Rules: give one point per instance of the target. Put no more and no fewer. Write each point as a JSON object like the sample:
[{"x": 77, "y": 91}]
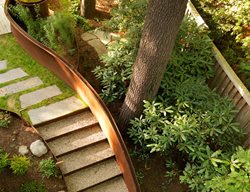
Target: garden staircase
[{"x": 71, "y": 132}]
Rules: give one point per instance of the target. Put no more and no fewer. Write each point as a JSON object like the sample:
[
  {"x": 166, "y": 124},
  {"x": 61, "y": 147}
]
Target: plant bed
[{"x": 13, "y": 136}]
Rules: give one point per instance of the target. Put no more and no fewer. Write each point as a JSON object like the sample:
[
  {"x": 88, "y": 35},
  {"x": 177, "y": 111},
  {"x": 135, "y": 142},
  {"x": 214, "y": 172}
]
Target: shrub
[
  {"x": 48, "y": 168},
  {"x": 19, "y": 164},
  {"x": 33, "y": 186},
  {"x": 192, "y": 129},
  {"x": 5, "y": 119},
  {"x": 4, "y": 159}
]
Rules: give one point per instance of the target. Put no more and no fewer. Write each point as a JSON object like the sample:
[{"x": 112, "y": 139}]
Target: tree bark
[
  {"x": 161, "y": 26},
  {"x": 88, "y": 8}
]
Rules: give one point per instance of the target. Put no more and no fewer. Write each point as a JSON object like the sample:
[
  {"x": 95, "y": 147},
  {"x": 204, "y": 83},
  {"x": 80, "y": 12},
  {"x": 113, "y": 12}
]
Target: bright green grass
[{"x": 17, "y": 57}]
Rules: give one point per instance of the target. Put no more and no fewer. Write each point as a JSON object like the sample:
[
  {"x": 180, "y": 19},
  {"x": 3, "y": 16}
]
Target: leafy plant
[
  {"x": 19, "y": 164},
  {"x": 5, "y": 119},
  {"x": 48, "y": 168},
  {"x": 33, "y": 186},
  {"x": 4, "y": 159}
]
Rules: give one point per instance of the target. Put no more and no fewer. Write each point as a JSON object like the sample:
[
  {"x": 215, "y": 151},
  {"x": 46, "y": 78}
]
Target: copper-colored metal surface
[{"x": 59, "y": 67}]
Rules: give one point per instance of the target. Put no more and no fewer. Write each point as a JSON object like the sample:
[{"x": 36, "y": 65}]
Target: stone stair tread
[
  {"x": 85, "y": 157},
  {"x": 76, "y": 140},
  {"x": 37, "y": 96},
  {"x": 116, "y": 184},
  {"x": 67, "y": 125},
  {"x": 92, "y": 175},
  {"x": 55, "y": 110},
  {"x": 12, "y": 75},
  {"x": 3, "y": 64},
  {"x": 20, "y": 86}
]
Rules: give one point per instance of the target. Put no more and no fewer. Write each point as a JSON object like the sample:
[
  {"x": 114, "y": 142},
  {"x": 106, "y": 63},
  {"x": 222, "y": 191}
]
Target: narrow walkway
[{"x": 67, "y": 126}]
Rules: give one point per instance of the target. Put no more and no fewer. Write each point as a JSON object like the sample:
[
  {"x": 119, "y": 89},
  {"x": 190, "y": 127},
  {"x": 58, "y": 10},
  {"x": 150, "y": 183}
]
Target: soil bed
[{"x": 15, "y": 135}]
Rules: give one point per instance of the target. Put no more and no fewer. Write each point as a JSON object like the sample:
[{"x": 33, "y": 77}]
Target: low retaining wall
[{"x": 227, "y": 83}]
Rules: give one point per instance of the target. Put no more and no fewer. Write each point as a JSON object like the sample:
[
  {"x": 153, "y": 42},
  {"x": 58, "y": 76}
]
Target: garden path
[{"x": 69, "y": 128}]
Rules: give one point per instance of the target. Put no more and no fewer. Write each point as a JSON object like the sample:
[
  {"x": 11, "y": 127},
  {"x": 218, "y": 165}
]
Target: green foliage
[
  {"x": 118, "y": 62},
  {"x": 59, "y": 31},
  {"x": 237, "y": 177},
  {"x": 195, "y": 124},
  {"x": 5, "y": 119},
  {"x": 4, "y": 159},
  {"x": 48, "y": 168},
  {"x": 230, "y": 27},
  {"x": 192, "y": 56},
  {"x": 33, "y": 186},
  {"x": 19, "y": 164}
]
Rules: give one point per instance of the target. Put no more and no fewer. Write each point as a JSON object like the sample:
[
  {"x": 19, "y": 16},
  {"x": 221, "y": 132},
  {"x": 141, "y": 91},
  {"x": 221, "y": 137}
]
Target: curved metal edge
[{"x": 60, "y": 68}]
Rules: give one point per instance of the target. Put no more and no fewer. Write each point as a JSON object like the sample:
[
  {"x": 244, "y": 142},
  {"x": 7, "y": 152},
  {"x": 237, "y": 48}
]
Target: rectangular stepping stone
[
  {"x": 4, "y": 23},
  {"x": 12, "y": 75},
  {"x": 20, "y": 86},
  {"x": 39, "y": 95},
  {"x": 55, "y": 110},
  {"x": 85, "y": 157},
  {"x": 3, "y": 64},
  {"x": 92, "y": 175},
  {"x": 76, "y": 140},
  {"x": 116, "y": 184},
  {"x": 67, "y": 125}
]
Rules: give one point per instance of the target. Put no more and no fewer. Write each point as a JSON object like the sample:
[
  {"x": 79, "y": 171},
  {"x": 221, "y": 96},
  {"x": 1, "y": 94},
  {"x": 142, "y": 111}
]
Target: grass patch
[{"x": 17, "y": 57}]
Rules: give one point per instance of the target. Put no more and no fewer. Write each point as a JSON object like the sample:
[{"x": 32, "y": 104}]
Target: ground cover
[{"x": 12, "y": 137}]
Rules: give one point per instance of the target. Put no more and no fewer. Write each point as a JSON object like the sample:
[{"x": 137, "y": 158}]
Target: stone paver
[
  {"x": 12, "y": 75},
  {"x": 67, "y": 125},
  {"x": 92, "y": 176},
  {"x": 104, "y": 37},
  {"x": 4, "y": 23},
  {"x": 88, "y": 36},
  {"x": 76, "y": 140},
  {"x": 39, "y": 95},
  {"x": 114, "y": 185},
  {"x": 85, "y": 157},
  {"x": 3, "y": 64},
  {"x": 20, "y": 86},
  {"x": 98, "y": 46},
  {"x": 55, "y": 110}
]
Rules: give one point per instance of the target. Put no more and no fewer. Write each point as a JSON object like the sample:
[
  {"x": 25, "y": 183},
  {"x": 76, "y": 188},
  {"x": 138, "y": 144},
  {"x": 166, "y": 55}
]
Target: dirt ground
[{"x": 11, "y": 138}]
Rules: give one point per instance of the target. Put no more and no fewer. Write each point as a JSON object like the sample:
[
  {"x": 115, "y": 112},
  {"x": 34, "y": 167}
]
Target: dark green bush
[{"x": 33, "y": 186}]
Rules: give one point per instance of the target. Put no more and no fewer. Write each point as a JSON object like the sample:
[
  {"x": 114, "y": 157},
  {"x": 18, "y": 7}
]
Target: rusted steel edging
[{"x": 59, "y": 67}]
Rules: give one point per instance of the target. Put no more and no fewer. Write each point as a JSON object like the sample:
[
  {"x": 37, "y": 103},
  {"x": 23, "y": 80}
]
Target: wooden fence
[{"x": 227, "y": 84}]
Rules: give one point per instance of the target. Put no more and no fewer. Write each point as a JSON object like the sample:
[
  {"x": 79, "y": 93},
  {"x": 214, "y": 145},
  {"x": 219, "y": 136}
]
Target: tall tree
[
  {"x": 88, "y": 8},
  {"x": 161, "y": 26}
]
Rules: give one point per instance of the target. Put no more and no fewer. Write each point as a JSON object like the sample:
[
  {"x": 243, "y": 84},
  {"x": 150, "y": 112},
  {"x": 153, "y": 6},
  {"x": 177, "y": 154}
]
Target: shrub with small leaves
[
  {"x": 33, "y": 186},
  {"x": 19, "y": 164},
  {"x": 5, "y": 119},
  {"x": 48, "y": 168},
  {"x": 4, "y": 159}
]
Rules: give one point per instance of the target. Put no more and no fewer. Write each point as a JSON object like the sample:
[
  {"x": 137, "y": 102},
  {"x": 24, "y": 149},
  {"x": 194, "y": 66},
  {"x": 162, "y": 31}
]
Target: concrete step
[
  {"x": 12, "y": 75},
  {"x": 116, "y": 184},
  {"x": 55, "y": 110},
  {"x": 92, "y": 175},
  {"x": 20, "y": 86},
  {"x": 67, "y": 125},
  {"x": 38, "y": 96},
  {"x": 85, "y": 157},
  {"x": 76, "y": 140}
]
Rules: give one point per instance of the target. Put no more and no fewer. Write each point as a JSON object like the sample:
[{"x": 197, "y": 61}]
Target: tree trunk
[
  {"x": 88, "y": 8},
  {"x": 160, "y": 29}
]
